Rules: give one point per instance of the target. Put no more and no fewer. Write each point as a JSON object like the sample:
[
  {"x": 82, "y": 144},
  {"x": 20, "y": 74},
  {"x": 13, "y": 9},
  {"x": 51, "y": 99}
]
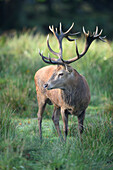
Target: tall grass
[{"x": 20, "y": 147}]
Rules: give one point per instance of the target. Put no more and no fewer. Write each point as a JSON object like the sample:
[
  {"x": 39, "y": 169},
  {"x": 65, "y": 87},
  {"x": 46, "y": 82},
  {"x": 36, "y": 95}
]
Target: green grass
[{"x": 20, "y": 147}]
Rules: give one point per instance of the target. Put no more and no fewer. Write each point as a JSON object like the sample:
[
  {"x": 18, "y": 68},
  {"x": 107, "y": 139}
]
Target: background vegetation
[
  {"x": 20, "y": 147},
  {"x": 24, "y": 14}
]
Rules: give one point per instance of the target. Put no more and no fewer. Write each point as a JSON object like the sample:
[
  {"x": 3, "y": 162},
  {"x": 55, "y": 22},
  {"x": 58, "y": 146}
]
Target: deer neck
[{"x": 69, "y": 93}]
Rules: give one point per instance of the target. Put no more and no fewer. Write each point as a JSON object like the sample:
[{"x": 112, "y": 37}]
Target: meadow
[{"x": 20, "y": 146}]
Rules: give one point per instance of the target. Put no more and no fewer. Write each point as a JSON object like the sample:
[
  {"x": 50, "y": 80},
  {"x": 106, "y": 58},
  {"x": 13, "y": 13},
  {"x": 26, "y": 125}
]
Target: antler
[
  {"x": 59, "y": 37},
  {"x": 89, "y": 39}
]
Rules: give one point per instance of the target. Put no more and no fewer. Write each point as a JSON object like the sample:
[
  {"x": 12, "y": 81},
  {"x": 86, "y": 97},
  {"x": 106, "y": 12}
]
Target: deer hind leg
[
  {"x": 39, "y": 114},
  {"x": 55, "y": 118},
  {"x": 81, "y": 121}
]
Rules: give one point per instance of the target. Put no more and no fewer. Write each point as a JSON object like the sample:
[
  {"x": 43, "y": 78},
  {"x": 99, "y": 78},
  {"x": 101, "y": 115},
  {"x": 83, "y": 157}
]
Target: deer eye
[{"x": 60, "y": 75}]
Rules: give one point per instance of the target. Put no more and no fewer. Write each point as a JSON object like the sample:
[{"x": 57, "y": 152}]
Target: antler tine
[
  {"x": 84, "y": 30},
  {"x": 71, "y": 39},
  {"x": 60, "y": 28},
  {"x": 55, "y": 53},
  {"x": 43, "y": 57},
  {"x": 50, "y": 28},
  {"x": 49, "y": 60},
  {"x": 102, "y": 38},
  {"x": 96, "y": 32},
  {"x": 100, "y": 32},
  {"x": 71, "y": 34},
  {"x": 53, "y": 30},
  {"x": 56, "y": 30},
  {"x": 86, "y": 34},
  {"x": 69, "y": 29},
  {"x": 98, "y": 35},
  {"x": 55, "y": 33},
  {"x": 77, "y": 49}
]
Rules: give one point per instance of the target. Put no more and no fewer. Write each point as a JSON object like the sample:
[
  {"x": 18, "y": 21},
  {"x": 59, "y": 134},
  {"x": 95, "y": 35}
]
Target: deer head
[
  {"x": 64, "y": 72},
  {"x": 61, "y": 77}
]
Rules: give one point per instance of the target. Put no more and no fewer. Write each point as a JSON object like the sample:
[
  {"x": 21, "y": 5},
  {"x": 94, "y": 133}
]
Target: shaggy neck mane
[{"x": 69, "y": 94}]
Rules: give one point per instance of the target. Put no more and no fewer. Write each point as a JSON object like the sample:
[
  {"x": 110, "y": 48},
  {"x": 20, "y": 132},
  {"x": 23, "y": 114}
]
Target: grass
[{"x": 20, "y": 147}]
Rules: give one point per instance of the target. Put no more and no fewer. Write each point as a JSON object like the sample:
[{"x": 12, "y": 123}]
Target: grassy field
[{"x": 20, "y": 147}]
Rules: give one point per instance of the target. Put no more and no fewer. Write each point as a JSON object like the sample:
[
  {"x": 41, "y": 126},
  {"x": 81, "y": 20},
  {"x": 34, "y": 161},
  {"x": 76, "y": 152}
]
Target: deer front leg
[
  {"x": 64, "y": 115},
  {"x": 81, "y": 121},
  {"x": 55, "y": 118},
  {"x": 39, "y": 114}
]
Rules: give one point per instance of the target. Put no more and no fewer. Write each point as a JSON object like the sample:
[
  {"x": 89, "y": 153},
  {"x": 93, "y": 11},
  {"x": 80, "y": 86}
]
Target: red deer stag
[{"x": 61, "y": 85}]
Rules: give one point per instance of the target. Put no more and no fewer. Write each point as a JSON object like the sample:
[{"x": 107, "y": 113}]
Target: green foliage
[
  {"x": 6, "y": 124},
  {"x": 27, "y": 151},
  {"x": 20, "y": 147}
]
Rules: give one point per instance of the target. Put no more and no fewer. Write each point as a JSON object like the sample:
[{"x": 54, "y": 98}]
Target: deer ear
[{"x": 68, "y": 68}]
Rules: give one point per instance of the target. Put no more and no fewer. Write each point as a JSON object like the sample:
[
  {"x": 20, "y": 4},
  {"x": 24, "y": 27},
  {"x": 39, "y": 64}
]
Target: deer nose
[{"x": 45, "y": 86}]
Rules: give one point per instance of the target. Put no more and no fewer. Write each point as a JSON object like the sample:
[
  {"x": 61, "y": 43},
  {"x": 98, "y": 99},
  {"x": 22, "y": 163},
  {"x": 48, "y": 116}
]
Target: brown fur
[{"x": 73, "y": 99}]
